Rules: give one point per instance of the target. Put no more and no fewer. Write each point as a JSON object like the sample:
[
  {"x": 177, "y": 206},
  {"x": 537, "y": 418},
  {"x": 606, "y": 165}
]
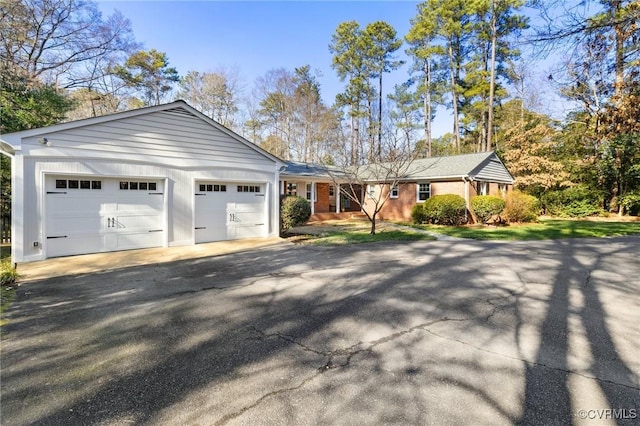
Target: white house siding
[
  {"x": 176, "y": 147},
  {"x": 162, "y": 138}
]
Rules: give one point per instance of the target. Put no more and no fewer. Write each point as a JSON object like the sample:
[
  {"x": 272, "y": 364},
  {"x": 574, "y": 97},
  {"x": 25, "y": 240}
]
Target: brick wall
[{"x": 322, "y": 197}]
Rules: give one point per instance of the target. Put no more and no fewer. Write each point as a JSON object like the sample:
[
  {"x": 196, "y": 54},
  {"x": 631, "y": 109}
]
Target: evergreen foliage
[
  {"x": 486, "y": 206},
  {"x": 575, "y": 201},
  {"x": 294, "y": 211},
  {"x": 446, "y": 209}
]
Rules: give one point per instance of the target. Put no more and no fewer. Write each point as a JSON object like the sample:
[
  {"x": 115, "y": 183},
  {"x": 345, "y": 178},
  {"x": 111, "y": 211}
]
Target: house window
[
  {"x": 483, "y": 188},
  {"x": 78, "y": 184},
  {"x": 309, "y": 189},
  {"x": 371, "y": 191},
  {"x": 332, "y": 191},
  {"x": 133, "y": 185},
  {"x": 394, "y": 191},
  {"x": 292, "y": 188},
  {"x": 424, "y": 191},
  {"x": 248, "y": 188}
]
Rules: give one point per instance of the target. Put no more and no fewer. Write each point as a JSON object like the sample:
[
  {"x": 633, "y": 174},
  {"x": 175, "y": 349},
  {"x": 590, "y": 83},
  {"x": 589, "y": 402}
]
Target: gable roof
[
  {"x": 484, "y": 166},
  {"x": 476, "y": 166},
  {"x": 178, "y": 107}
]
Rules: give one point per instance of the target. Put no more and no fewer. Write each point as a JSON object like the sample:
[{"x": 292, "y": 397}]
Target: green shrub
[
  {"x": 447, "y": 209},
  {"x": 521, "y": 207},
  {"x": 294, "y": 211},
  {"x": 486, "y": 206},
  {"x": 8, "y": 274},
  {"x": 631, "y": 203},
  {"x": 577, "y": 201},
  {"x": 417, "y": 214}
]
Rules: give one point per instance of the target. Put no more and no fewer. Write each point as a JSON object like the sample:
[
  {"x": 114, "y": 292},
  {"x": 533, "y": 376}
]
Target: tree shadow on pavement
[{"x": 395, "y": 332}]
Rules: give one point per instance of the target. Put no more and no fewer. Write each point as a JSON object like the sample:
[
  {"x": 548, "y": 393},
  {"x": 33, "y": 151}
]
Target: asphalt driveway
[{"x": 433, "y": 332}]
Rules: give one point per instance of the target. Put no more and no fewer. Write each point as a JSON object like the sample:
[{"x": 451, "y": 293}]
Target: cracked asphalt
[{"x": 431, "y": 332}]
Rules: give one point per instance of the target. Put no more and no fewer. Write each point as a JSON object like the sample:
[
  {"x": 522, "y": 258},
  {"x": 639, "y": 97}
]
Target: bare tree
[
  {"x": 216, "y": 94},
  {"x": 370, "y": 186},
  {"x": 52, "y": 41}
]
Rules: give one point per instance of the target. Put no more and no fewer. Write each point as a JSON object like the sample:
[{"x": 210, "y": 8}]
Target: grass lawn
[
  {"x": 363, "y": 236},
  {"x": 339, "y": 232},
  {"x": 7, "y": 293},
  {"x": 546, "y": 229}
]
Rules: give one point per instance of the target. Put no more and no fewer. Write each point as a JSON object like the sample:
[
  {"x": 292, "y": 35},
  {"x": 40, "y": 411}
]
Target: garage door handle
[
  {"x": 201, "y": 227},
  {"x": 155, "y": 230},
  {"x": 57, "y": 236}
]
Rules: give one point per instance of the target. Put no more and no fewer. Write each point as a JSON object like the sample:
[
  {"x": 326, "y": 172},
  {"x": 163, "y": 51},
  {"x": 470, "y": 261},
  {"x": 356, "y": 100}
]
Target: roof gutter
[{"x": 7, "y": 149}]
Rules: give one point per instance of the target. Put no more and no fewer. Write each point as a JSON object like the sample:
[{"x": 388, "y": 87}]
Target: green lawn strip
[
  {"x": 363, "y": 236},
  {"x": 8, "y": 276},
  {"x": 547, "y": 229}
]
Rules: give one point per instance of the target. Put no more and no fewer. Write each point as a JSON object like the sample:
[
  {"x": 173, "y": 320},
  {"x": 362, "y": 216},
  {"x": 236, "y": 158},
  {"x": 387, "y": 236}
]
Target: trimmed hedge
[
  {"x": 294, "y": 211},
  {"x": 446, "y": 209},
  {"x": 487, "y": 206},
  {"x": 521, "y": 207},
  {"x": 417, "y": 214},
  {"x": 577, "y": 201}
]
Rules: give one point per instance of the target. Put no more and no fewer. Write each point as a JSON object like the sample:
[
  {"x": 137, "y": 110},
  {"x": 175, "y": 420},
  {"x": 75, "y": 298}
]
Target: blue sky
[{"x": 256, "y": 36}]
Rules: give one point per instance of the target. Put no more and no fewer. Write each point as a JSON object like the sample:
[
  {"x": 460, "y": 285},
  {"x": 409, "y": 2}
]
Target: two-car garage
[
  {"x": 87, "y": 214},
  {"x": 156, "y": 177}
]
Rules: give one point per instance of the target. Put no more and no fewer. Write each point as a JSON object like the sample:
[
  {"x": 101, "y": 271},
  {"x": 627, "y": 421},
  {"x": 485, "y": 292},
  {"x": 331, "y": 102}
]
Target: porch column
[
  {"x": 313, "y": 197},
  {"x": 338, "y": 197}
]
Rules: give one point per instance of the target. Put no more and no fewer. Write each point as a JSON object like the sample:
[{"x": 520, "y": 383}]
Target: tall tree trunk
[
  {"x": 379, "y": 149},
  {"x": 492, "y": 82},
  {"x": 427, "y": 105},
  {"x": 620, "y": 36},
  {"x": 454, "y": 98}
]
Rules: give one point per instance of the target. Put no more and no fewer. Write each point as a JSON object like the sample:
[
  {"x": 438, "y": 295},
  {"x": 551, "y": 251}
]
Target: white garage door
[
  {"x": 228, "y": 211},
  {"x": 90, "y": 215}
]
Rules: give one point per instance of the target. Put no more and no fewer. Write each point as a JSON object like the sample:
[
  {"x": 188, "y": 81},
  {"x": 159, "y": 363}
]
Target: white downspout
[{"x": 466, "y": 197}]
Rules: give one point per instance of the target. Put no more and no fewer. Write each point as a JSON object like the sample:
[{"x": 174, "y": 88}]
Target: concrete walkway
[{"x": 100, "y": 262}]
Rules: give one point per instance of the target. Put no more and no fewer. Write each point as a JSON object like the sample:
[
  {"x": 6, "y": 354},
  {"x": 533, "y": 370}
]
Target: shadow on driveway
[{"x": 422, "y": 332}]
